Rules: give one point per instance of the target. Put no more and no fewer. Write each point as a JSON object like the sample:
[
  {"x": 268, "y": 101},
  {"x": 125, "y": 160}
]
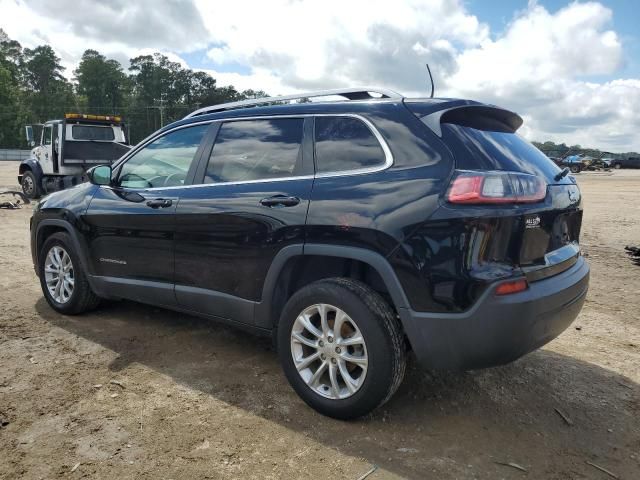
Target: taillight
[
  {"x": 514, "y": 286},
  {"x": 476, "y": 187}
]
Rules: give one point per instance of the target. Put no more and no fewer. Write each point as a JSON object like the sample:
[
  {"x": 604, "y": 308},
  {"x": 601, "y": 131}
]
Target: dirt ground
[{"x": 198, "y": 400}]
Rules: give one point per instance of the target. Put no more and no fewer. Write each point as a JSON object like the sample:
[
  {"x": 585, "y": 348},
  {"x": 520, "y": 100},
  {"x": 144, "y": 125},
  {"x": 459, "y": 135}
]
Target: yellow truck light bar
[{"x": 103, "y": 118}]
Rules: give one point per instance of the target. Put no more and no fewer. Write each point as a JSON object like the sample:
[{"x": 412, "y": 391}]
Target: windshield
[
  {"x": 92, "y": 132},
  {"x": 487, "y": 150}
]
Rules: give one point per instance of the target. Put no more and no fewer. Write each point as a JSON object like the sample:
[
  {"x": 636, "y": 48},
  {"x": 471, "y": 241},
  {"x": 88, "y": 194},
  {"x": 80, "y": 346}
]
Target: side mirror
[
  {"x": 100, "y": 175},
  {"x": 28, "y": 130}
]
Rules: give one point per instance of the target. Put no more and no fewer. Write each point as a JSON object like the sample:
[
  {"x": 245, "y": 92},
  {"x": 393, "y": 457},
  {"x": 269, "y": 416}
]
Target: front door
[
  {"x": 132, "y": 222},
  {"x": 252, "y": 203},
  {"x": 44, "y": 151}
]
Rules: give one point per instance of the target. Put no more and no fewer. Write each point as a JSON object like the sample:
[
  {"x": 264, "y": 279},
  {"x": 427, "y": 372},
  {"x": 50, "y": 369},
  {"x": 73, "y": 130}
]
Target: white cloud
[
  {"x": 119, "y": 29},
  {"x": 537, "y": 66}
]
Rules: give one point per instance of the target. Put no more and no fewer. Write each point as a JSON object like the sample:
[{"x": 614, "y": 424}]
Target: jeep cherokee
[{"x": 351, "y": 231}]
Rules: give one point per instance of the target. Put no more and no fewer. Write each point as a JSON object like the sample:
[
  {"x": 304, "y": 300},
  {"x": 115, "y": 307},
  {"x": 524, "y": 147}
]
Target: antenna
[{"x": 431, "y": 78}]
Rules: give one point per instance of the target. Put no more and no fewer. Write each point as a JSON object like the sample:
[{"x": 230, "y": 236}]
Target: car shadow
[{"x": 547, "y": 412}]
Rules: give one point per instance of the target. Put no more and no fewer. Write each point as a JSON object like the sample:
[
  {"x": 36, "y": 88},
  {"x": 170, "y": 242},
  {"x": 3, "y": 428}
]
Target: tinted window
[
  {"x": 345, "y": 143},
  {"x": 256, "y": 150},
  {"x": 90, "y": 132},
  {"x": 163, "y": 162},
  {"x": 487, "y": 150}
]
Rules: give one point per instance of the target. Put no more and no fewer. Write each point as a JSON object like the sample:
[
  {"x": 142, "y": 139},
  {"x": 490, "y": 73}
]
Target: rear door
[
  {"x": 252, "y": 202},
  {"x": 132, "y": 223}
]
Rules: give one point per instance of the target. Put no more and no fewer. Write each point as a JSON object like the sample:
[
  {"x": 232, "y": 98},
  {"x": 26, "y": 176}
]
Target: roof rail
[{"x": 360, "y": 93}]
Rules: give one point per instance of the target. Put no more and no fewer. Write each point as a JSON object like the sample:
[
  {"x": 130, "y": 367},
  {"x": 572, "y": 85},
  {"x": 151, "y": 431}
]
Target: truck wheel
[
  {"x": 341, "y": 347},
  {"x": 574, "y": 169},
  {"x": 30, "y": 185},
  {"x": 617, "y": 166},
  {"x": 62, "y": 278}
]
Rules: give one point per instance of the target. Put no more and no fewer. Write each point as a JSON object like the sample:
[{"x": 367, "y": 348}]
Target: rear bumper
[{"x": 499, "y": 329}]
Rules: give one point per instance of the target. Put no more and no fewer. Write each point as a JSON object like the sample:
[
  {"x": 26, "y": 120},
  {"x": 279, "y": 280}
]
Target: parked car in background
[
  {"x": 631, "y": 162},
  {"x": 607, "y": 162},
  {"x": 349, "y": 231},
  {"x": 575, "y": 163}
]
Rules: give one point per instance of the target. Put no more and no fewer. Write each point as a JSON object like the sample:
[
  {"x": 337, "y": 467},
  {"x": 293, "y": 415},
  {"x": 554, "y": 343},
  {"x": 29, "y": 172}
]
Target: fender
[
  {"x": 79, "y": 244},
  {"x": 375, "y": 260},
  {"x": 33, "y": 165}
]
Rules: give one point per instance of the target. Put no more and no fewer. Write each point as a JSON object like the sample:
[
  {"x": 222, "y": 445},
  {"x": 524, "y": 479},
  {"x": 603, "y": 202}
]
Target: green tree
[
  {"x": 101, "y": 81},
  {"x": 48, "y": 93}
]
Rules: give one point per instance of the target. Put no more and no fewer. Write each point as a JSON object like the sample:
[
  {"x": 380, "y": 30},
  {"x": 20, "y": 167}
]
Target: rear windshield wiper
[{"x": 565, "y": 171}]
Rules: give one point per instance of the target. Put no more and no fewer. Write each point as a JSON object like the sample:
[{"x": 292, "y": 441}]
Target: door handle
[
  {"x": 160, "y": 203},
  {"x": 280, "y": 201}
]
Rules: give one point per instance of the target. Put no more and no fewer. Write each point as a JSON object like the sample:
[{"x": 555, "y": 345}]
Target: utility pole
[{"x": 160, "y": 107}]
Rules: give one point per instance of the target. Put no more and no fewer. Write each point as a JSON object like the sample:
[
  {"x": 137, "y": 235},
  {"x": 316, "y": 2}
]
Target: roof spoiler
[{"x": 481, "y": 117}]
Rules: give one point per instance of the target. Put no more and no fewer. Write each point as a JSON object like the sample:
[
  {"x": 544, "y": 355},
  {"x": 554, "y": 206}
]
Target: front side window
[
  {"x": 345, "y": 143},
  {"x": 48, "y": 130},
  {"x": 247, "y": 150},
  {"x": 92, "y": 132},
  {"x": 164, "y": 162}
]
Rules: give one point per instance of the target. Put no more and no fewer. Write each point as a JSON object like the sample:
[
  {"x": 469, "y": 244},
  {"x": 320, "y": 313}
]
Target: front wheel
[
  {"x": 341, "y": 347},
  {"x": 574, "y": 169},
  {"x": 63, "y": 281},
  {"x": 617, "y": 166},
  {"x": 30, "y": 186}
]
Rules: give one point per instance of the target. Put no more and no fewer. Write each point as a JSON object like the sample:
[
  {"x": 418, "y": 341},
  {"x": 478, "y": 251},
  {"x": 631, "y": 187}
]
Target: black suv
[{"x": 351, "y": 231}]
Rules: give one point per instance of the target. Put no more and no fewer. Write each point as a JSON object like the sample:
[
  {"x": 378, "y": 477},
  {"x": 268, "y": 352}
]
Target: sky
[{"x": 571, "y": 69}]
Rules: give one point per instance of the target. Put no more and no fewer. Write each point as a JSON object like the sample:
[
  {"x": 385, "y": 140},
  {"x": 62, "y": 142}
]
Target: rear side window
[
  {"x": 247, "y": 150},
  {"x": 345, "y": 143},
  {"x": 90, "y": 132},
  {"x": 476, "y": 149}
]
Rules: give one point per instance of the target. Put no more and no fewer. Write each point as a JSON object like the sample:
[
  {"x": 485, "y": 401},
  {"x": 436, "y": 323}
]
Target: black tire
[
  {"x": 617, "y": 166},
  {"x": 30, "y": 185},
  {"x": 82, "y": 298},
  {"x": 574, "y": 169},
  {"x": 382, "y": 333}
]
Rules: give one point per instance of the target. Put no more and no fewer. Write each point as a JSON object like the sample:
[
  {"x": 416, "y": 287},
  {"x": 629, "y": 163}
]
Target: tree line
[
  {"x": 562, "y": 150},
  {"x": 153, "y": 91}
]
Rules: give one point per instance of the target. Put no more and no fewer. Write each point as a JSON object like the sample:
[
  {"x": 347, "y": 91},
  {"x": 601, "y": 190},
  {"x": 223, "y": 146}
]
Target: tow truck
[{"x": 67, "y": 149}]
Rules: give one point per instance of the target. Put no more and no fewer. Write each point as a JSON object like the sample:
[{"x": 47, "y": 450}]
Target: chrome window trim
[
  {"x": 341, "y": 173},
  {"x": 388, "y": 156}
]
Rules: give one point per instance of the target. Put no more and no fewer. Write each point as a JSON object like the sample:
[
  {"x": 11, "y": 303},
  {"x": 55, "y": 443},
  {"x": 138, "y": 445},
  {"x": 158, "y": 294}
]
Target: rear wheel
[
  {"x": 62, "y": 279},
  {"x": 341, "y": 347},
  {"x": 29, "y": 185}
]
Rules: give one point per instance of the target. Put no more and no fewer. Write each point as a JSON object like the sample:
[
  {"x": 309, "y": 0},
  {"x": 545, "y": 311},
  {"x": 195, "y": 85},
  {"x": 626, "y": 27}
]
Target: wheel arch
[
  {"x": 283, "y": 278},
  {"x": 48, "y": 227},
  {"x": 32, "y": 165}
]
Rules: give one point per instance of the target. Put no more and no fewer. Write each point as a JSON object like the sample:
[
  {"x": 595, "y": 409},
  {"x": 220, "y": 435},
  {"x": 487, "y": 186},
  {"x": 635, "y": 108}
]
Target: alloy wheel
[
  {"x": 59, "y": 274},
  {"x": 329, "y": 351}
]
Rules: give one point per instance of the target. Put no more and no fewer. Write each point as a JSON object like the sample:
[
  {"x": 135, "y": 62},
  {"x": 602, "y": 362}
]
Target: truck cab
[{"x": 66, "y": 148}]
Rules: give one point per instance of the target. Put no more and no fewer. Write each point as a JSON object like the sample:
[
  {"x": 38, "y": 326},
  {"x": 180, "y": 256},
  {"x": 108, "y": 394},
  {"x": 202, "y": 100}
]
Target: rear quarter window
[
  {"x": 476, "y": 149},
  {"x": 345, "y": 143}
]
